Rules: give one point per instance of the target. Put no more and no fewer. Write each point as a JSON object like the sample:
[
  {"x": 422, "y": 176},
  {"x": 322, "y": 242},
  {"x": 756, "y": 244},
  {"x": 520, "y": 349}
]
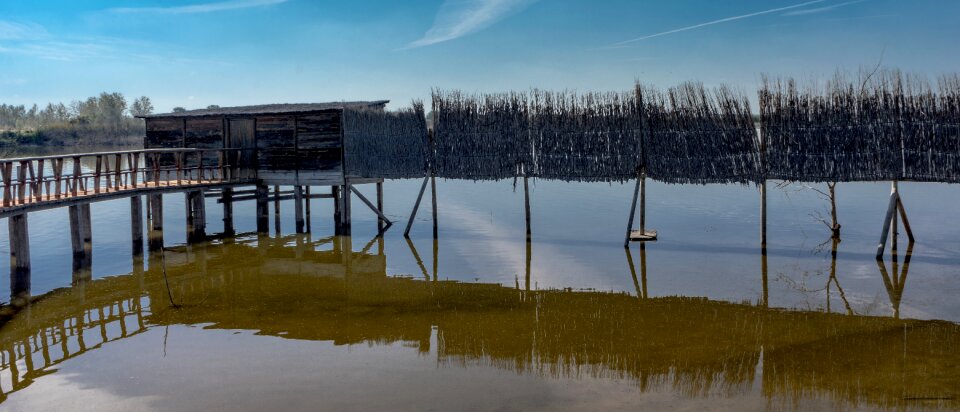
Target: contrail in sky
[{"x": 724, "y": 20}]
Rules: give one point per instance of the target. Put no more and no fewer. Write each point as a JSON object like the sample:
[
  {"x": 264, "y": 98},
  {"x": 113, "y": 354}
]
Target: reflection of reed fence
[
  {"x": 379, "y": 144},
  {"x": 695, "y": 135},
  {"x": 884, "y": 126}
]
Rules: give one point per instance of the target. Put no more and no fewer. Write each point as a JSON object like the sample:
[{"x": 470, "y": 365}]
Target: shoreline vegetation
[{"x": 103, "y": 120}]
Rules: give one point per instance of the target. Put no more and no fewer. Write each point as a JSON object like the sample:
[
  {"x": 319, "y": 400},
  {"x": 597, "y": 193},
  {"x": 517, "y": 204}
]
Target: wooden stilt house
[{"x": 280, "y": 144}]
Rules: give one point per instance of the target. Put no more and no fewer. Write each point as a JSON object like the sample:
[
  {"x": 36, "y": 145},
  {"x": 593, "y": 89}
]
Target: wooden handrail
[{"x": 25, "y": 179}]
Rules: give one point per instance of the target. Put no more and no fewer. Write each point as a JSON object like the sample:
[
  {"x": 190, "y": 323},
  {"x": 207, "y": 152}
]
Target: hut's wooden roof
[{"x": 272, "y": 109}]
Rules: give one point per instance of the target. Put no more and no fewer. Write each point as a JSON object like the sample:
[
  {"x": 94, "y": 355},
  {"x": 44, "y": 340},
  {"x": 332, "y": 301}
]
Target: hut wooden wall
[
  {"x": 306, "y": 149},
  {"x": 204, "y": 133},
  {"x": 164, "y": 133}
]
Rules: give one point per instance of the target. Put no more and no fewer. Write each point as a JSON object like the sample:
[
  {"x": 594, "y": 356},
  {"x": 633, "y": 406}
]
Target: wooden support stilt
[
  {"x": 276, "y": 209},
  {"x": 903, "y": 217},
  {"x": 226, "y": 197},
  {"x": 643, "y": 234},
  {"x": 380, "y": 207},
  {"x": 81, "y": 242},
  {"x": 526, "y": 206},
  {"x": 136, "y": 225},
  {"x": 763, "y": 214},
  {"x": 888, "y": 220},
  {"x": 306, "y": 205},
  {"x": 633, "y": 212},
  {"x": 433, "y": 196},
  {"x": 196, "y": 216},
  {"x": 528, "y": 265},
  {"x": 436, "y": 259},
  {"x": 347, "y": 209},
  {"x": 298, "y": 208},
  {"x": 155, "y": 234},
  {"x": 19, "y": 260},
  {"x": 337, "y": 207},
  {"x": 416, "y": 207},
  {"x": 380, "y": 215},
  {"x": 263, "y": 221}
]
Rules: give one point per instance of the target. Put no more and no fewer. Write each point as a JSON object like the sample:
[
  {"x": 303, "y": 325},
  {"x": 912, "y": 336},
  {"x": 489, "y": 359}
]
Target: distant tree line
[{"x": 106, "y": 119}]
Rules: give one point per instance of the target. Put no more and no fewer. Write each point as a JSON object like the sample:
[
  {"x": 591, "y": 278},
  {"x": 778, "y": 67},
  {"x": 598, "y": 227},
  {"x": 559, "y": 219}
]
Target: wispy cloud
[
  {"x": 820, "y": 9},
  {"x": 200, "y": 8},
  {"x": 723, "y": 20},
  {"x": 458, "y": 18},
  {"x": 11, "y": 30}
]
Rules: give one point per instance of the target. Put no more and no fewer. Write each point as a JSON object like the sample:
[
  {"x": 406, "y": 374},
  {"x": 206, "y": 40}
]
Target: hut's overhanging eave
[{"x": 270, "y": 109}]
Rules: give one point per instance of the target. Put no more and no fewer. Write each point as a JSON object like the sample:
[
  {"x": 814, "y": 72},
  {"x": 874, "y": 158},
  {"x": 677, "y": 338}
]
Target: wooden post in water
[
  {"x": 136, "y": 225},
  {"x": 337, "y": 207},
  {"x": 380, "y": 206},
  {"x": 416, "y": 207},
  {"x": 81, "y": 242},
  {"x": 763, "y": 214},
  {"x": 226, "y": 196},
  {"x": 298, "y": 207},
  {"x": 196, "y": 216},
  {"x": 263, "y": 221},
  {"x": 641, "y": 235},
  {"x": 19, "y": 260},
  {"x": 347, "y": 210},
  {"x": 433, "y": 198},
  {"x": 307, "y": 207},
  {"x": 276, "y": 209},
  {"x": 526, "y": 205},
  {"x": 633, "y": 212},
  {"x": 155, "y": 231}
]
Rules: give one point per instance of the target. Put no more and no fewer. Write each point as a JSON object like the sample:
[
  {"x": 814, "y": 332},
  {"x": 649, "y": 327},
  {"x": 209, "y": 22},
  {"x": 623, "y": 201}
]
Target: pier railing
[{"x": 29, "y": 180}]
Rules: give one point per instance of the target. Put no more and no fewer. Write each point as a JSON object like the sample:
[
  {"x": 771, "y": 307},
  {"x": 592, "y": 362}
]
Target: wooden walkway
[{"x": 38, "y": 183}]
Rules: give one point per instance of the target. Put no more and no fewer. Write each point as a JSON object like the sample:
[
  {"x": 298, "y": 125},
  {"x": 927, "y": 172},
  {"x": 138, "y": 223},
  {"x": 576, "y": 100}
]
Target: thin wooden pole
[
  {"x": 643, "y": 204},
  {"x": 633, "y": 212},
  {"x": 887, "y": 220},
  {"x": 903, "y": 217},
  {"x": 307, "y": 207},
  {"x": 276, "y": 209},
  {"x": 380, "y": 206},
  {"x": 380, "y": 215},
  {"x": 763, "y": 214},
  {"x": 337, "y": 207},
  {"x": 347, "y": 213},
  {"x": 416, "y": 207},
  {"x": 433, "y": 197},
  {"x": 526, "y": 205}
]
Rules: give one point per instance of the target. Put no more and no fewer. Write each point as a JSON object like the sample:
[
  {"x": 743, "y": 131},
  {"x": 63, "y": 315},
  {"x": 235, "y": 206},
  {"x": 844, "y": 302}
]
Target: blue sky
[{"x": 193, "y": 53}]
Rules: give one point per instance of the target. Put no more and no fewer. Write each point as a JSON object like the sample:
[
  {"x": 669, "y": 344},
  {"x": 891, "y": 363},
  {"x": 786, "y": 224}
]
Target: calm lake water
[{"x": 689, "y": 322}]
